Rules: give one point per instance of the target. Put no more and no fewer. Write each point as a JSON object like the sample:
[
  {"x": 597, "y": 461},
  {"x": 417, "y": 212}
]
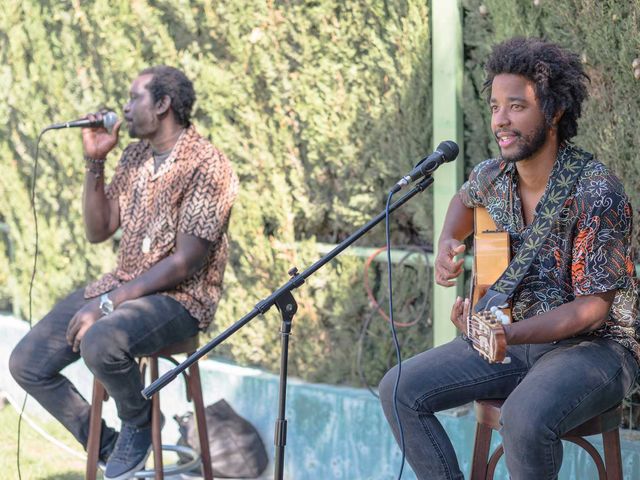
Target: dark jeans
[
  {"x": 549, "y": 389},
  {"x": 137, "y": 327}
]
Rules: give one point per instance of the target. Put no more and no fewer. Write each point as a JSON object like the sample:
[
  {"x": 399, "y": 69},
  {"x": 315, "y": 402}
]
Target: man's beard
[
  {"x": 133, "y": 133},
  {"x": 531, "y": 145}
]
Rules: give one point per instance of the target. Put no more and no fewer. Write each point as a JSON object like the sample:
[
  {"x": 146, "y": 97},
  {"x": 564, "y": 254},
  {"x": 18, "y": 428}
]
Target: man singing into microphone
[
  {"x": 575, "y": 340},
  {"x": 171, "y": 196}
]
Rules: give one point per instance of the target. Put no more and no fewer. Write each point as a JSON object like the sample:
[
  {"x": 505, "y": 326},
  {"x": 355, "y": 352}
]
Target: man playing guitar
[{"x": 573, "y": 343}]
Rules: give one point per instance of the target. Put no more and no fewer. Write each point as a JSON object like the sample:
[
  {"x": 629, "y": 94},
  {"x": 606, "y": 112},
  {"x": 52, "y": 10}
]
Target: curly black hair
[
  {"x": 559, "y": 78},
  {"x": 174, "y": 83}
]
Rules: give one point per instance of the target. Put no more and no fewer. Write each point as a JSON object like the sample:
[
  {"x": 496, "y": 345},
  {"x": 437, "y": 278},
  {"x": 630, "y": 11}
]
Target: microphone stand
[{"x": 283, "y": 299}]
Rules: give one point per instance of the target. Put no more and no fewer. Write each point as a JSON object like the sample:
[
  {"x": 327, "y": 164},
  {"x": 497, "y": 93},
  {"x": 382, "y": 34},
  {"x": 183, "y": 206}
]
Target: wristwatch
[{"x": 106, "y": 305}]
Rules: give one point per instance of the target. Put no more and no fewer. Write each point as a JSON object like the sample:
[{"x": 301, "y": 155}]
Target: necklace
[{"x": 160, "y": 157}]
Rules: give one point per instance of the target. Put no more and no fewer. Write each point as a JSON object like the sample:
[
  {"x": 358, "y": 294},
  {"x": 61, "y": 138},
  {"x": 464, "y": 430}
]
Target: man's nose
[{"x": 501, "y": 117}]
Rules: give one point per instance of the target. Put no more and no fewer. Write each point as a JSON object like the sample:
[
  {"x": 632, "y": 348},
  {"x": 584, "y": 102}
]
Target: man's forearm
[
  {"x": 584, "y": 314},
  {"x": 163, "y": 276},
  {"x": 190, "y": 256},
  {"x": 96, "y": 207}
]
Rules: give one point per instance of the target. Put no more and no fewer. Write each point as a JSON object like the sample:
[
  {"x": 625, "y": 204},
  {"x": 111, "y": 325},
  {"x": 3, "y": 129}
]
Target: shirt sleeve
[
  {"x": 470, "y": 191},
  {"x": 207, "y": 202},
  {"x": 602, "y": 243}
]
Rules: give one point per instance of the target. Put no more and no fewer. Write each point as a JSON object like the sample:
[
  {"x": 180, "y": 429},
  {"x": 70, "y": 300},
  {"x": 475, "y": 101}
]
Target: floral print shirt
[{"x": 588, "y": 250}]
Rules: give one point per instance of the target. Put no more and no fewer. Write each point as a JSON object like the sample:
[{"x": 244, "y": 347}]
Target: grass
[{"x": 39, "y": 459}]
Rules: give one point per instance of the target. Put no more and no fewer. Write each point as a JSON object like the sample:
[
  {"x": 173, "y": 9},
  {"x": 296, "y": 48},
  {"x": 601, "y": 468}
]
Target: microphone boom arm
[{"x": 297, "y": 279}]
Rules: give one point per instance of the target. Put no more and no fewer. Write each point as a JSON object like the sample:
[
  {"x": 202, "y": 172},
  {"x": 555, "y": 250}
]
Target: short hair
[
  {"x": 174, "y": 83},
  {"x": 559, "y": 78}
]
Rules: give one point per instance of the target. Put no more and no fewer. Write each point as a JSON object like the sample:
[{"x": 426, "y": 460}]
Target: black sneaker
[{"x": 130, "y": 453}]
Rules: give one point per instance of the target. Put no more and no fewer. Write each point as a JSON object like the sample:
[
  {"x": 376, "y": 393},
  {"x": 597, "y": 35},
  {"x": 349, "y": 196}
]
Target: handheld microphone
[
  {"x": 109, "y": 119},
  {"x": 446, "y": 152}
]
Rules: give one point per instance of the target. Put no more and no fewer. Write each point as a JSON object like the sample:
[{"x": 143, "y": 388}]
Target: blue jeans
[
  {"x": 136, "y": 328},
  {"x": 549, "y": 390}
]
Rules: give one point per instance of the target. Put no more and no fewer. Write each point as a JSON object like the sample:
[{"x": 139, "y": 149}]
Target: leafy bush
[{"x": 320, "y": 106}]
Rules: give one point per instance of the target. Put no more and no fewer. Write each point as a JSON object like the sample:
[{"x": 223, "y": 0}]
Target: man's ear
[
  {"x": 556, "y": 117},
  {"x": 162, "y": 105}
]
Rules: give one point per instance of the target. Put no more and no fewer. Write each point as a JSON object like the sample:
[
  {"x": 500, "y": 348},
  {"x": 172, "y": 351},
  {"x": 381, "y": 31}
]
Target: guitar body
[
  {"x": 490, "y": 258},
  {"x": 491, "y": 253}
]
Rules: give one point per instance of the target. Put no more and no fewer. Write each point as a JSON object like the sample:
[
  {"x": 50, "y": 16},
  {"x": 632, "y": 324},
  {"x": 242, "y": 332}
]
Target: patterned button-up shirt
[
  {"x": 588, "y": 250},
  {"x": 192, "y": 193}
]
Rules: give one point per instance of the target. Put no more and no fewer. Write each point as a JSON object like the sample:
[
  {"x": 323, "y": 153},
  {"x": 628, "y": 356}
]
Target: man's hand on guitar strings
[
  {"x": 447, "y": 268},
  {"x": 460, "y": 313}
]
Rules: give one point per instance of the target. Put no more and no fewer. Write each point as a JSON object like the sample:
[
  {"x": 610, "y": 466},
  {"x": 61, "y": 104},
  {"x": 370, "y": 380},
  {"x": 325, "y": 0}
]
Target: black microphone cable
[
  {"x": 375, "y": 307},
  {"x": 32, "y": 191},
  {"x": 394, "y": 335}
]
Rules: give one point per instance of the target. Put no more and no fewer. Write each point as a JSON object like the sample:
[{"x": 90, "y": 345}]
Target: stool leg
[
  {"x": 156, "y": 426},
  {"x": 612, "y": 454},
  {"x": 480, "y": 452},
  {"x": 592, "y": 452},
  {"x": 195, "y": 390},
  {"x": 493, "y": 461},
  {"x": 95, "y": 430}
]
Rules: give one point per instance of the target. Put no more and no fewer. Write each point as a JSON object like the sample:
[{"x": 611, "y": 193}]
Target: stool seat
[
  {"x": 188, "y": 346},
  {"x": 193, "y": 393},
  {"x": 488, "y": 413},
  {"x": 488, "y": 419}
]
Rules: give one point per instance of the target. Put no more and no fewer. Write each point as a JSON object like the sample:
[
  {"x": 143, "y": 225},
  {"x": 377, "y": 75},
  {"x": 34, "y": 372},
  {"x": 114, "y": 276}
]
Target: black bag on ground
[{"x": 235, "y": 445}]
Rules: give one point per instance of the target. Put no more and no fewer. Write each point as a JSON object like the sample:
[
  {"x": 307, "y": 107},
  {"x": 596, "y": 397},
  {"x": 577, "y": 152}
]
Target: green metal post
[{"x": 447, "y": 57}]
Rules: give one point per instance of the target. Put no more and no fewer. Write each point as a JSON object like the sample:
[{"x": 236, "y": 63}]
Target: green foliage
[{"x": 319, "y": 105}]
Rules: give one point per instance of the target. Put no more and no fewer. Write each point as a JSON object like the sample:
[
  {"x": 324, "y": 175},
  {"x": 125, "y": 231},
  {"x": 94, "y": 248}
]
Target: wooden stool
[
  {"x": 194, "y": 394},
  {"x": 607, "y": 423}
]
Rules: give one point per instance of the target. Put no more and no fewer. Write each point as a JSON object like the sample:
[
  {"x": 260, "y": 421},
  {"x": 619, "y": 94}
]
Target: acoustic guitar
[{"x": 490, "y": 258}]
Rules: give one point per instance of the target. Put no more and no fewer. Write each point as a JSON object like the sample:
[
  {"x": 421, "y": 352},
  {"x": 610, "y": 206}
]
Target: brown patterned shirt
[{"x": 191, "y": 193}]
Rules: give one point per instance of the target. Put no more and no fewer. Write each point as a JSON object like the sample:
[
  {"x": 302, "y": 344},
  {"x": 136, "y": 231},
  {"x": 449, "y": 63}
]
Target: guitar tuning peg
[{"x": 493, "y": 310}]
